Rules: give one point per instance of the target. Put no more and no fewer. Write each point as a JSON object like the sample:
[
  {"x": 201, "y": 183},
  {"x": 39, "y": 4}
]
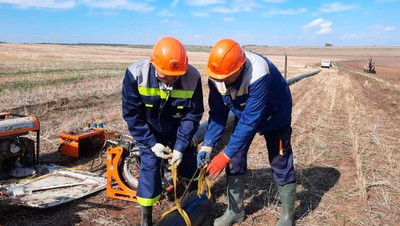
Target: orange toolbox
[{"x": 81, "y": 142}]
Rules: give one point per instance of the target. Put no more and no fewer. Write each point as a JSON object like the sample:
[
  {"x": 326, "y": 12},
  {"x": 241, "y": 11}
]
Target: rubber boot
[
  {"x": 146, "y": 217},
  {"x": 288, "y": 197},
  {"x": 235, "y": 211}
]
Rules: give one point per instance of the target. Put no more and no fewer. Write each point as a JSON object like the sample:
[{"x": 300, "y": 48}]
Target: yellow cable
[
  {"x": 203, "y": 183},
  {"x": 177, "y": 204}
]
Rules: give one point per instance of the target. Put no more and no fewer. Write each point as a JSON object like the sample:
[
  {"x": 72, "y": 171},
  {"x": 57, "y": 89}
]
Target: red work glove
[{"x": 218, "y": 163}]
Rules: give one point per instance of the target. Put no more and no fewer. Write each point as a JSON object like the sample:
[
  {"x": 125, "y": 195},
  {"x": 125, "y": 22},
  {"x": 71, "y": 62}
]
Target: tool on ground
[
  {"x": 81, "y": 142},
  {"x": 98, "y": 123},
  {"x": 20, "y": 191},
  {"x": 14, "y": 145},
  {"x": 53, "y": 189}
]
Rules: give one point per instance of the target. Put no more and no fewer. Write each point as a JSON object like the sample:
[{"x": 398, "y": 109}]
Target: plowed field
[{"x": 346, "y": 131}]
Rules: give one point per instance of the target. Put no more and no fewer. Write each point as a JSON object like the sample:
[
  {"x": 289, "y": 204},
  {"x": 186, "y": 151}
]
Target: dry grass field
[{"x": 346, "y": 131}]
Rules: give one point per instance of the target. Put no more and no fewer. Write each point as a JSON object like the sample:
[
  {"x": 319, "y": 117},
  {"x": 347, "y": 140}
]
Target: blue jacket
[
  {"x": 155, "y": 115},
  {"x": 260, "y": 99}
]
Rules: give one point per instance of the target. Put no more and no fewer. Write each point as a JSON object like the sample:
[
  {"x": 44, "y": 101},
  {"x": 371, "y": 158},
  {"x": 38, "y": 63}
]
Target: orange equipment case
[
  {"x": 70, "y": 141},
  {"x": 13, "y": 125}
]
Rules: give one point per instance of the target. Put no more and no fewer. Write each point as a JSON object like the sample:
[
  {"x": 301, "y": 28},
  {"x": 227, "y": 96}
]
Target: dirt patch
[{"x": 386, "y": 67}]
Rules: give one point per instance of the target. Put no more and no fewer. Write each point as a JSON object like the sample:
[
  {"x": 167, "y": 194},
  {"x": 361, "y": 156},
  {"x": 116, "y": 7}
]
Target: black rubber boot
[
  {"x": 288, "y": 197},
  {"x": 146, "y": 217},
  {"x": 235, "y": 211}
]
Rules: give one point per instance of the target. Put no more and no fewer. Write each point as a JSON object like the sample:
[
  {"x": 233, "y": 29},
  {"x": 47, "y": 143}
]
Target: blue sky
[{"x": 202, "y": 22}]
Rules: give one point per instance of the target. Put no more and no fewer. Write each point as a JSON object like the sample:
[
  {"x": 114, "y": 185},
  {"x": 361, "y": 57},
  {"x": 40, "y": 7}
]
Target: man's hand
[
  {"x": 161, "y": 151},
  {"x": 218, "y": 163},
  {"x": 176, "y": 157},
  {"x": 203, "y": 157}
]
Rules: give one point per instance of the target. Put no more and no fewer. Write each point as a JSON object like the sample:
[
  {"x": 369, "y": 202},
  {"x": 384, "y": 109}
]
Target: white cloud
[
  {"x": 321, "y": 26},
  {"x": 204, "y": 2},
  {"x": 236, "y": 6},
  {"x": 51, "y": 4},
  {"x": 164, "y": 21},
  {"x": 228, "y": 19},
  {"x": 197, "y": 36},
  {"x": 200, "y": 14},
  {"x": 379, "y": 29},
  {"x": 68, "y": 4},
  {"x": 389, "y": 28},
  {"x": 336, "y": 7},
  {"x": 93, "y": 12},
  {"x": 119, "y": 4},
  {"x": 165, "y": 12},
  {"x": 286, "y": 11},
  {"x": 175, "y": 3},
  {"x": 223, "y": 10},
  {"x": 274, "y": 1},
  {"x": 313, "y": 23},
  {"x": 324, "y": 30}
]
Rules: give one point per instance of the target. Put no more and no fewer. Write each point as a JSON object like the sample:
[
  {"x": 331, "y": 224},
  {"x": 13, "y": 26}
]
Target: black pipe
[{"x": 293, "y": 80}]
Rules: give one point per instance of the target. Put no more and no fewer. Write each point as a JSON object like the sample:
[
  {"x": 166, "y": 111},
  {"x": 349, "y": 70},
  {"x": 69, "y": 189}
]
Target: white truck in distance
[{"x": 326, "y": 64}]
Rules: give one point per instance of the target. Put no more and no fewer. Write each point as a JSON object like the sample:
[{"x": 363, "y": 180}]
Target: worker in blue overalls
[
  {"x": 162, "y": 103},
  {"x": 252, "y": 88}
]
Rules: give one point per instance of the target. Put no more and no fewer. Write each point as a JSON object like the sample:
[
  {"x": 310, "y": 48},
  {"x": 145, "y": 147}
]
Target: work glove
[
  {"x": 218, "y": 163},
  {"x": 176, "y": 157},
  {"x": 161, "y": 151},
  {"x": 203, "y": 157}
]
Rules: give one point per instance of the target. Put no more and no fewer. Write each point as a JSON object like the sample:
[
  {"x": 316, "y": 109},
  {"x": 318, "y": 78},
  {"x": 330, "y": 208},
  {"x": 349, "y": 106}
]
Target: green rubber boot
[
  {"x": 235, "y": 211},
  {"x": 288, "y": 197},
  {"x": 146, "y": 216}
]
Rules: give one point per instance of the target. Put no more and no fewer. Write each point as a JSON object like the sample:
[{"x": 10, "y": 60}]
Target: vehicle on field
[{"x": 326, "y": 64}]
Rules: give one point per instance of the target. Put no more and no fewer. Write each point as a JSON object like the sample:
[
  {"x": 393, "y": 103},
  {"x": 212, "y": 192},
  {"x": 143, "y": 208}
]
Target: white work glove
[
  {"x": 176, "y": 157},
  {"x": 161, "y": 151}
]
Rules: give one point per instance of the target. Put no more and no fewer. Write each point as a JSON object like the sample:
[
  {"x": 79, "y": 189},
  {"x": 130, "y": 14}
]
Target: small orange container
[{"x": 81, "y": 143}]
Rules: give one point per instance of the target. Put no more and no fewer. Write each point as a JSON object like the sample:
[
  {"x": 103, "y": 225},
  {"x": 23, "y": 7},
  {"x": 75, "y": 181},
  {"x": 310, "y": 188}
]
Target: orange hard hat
[
  {"x": 169, "y": 57},
  {"x": 226, "y": 58}
]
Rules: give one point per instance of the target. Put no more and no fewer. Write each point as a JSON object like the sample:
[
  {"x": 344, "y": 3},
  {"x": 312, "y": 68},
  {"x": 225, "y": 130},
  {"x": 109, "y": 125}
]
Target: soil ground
[{"x": 345, "y": 136}]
